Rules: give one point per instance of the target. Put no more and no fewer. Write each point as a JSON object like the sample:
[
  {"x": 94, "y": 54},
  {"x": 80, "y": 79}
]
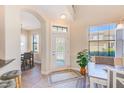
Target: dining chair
[
  {"x": 118, "y": 79},
  {"x": 110, "y": 77},
  {"x": 115, "y": 78},
  {"x": 32, "y": 56},
  {"x": 28, "y": 59},
  {"x": 23, "y": 63}
]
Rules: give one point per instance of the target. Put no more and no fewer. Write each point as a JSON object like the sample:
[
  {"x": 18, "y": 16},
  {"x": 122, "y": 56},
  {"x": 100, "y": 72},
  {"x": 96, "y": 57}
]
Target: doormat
[{"x": 65, "y": 77}]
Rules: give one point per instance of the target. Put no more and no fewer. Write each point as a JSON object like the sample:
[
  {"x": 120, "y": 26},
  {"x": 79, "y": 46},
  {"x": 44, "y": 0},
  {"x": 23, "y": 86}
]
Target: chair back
[
  {"x": 27, "y": 55},
  {"x": 110, "y": 77},
  {"x": 118, "y": 79},
  {"x": 115, "y": 78}
]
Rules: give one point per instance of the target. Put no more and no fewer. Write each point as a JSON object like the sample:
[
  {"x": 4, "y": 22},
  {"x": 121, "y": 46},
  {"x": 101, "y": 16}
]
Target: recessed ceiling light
[{"x": 63, "y": 16}]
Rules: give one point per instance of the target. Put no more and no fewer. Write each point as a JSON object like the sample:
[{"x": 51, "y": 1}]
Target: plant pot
[{"x": 83, "y": 70}]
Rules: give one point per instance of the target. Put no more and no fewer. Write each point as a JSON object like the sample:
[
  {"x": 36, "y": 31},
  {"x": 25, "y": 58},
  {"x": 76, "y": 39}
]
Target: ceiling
[
  {"x": 99, "y": 14},
  {"x": 85, "y": 14},
  {"x": 29, "y": 21},
  {"x": 53, "y": 12}
]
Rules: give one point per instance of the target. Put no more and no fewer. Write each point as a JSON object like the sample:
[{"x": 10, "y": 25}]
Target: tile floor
[{"x": 34, "y": 79}]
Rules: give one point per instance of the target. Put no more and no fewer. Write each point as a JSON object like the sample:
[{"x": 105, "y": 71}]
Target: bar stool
[
  {"x": 14, "y": 74},
  {"x": 8, "y": 84}
]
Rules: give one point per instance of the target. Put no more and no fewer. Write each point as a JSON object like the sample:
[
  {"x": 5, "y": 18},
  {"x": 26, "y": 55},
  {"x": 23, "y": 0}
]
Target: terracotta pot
[{"x": 83, "y": 70}]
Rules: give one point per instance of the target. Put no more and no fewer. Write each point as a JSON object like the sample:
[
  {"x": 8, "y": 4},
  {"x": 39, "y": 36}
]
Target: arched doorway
[
  {"x": 30, "y": 35},
  {"x": 33, "y": 30}
]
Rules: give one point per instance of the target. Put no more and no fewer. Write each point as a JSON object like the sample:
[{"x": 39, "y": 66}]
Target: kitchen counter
[{"x": 5, "y": 62}]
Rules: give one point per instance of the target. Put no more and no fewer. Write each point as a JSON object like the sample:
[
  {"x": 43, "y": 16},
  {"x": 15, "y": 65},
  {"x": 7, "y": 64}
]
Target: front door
[{"x": 60, "y": 51}]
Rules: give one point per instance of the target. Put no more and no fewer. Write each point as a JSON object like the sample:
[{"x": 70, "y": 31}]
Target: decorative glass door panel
[{"x": 60, "y": 51}]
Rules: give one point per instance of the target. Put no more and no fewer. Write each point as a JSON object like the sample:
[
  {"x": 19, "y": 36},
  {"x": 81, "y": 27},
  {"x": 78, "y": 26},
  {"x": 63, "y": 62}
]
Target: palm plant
[{"x": 82, "y": 59}]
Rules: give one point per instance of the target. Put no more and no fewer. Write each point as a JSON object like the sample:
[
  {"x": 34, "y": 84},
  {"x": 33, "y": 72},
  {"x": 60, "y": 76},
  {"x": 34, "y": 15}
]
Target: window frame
[
  {"x": 63, "y": 27},
  {"x": 35, "y": 43},
  {"x": 109, "y": 40}
]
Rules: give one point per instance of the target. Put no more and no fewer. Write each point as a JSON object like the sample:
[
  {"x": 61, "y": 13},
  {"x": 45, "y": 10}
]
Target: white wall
[
  {"x": 2, "y": 40},
  {"x": 12, "y": 37},
  {"x": 79, "y": 41}
]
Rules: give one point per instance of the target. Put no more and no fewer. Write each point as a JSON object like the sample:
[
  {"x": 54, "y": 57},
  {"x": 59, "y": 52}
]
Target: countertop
[{"x": 5, "y": 62}]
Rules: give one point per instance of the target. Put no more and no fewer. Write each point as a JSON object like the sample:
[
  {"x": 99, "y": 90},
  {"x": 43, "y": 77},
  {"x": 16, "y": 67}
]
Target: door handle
[{"x": 53, "y": 52}]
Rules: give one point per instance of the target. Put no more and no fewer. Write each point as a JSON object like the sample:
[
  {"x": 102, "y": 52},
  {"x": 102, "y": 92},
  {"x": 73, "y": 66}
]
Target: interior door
[{"x": 60, "y": 51}]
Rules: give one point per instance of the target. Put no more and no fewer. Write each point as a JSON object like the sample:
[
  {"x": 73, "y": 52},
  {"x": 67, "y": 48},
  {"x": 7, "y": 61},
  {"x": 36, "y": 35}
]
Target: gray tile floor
[{"x": 60, "y": 79}]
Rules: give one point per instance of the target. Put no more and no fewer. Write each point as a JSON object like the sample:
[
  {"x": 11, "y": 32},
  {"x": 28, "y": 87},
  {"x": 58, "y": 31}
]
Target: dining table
[{"x": 97, "y": 73}]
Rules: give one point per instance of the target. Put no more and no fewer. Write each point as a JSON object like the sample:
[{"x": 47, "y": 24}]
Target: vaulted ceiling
[
  {"x": 85, "y": 14},
  {"x": 54, "y": 12},
  {"x": 51, "y": 12},
  {"x": 98, "y": 14},
  {"x": 29, "y": 21}
]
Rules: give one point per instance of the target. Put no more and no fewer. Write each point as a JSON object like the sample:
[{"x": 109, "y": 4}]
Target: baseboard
[
  {"x": 75, "y": 68},
  {"x": 45, "y": 72},
  {"x": 78, "y": 69},
  {"x": 37, "y": 61}
]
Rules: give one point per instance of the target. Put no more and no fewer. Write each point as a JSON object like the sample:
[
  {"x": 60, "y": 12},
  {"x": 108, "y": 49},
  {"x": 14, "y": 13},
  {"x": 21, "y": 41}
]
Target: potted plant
[{"x": 83, "y": 59}]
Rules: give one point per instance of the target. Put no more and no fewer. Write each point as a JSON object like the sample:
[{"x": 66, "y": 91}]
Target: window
[
  {"x": 102, "y": 40},
  {"x": 35, "y": 43},
  {"x": 59, "y": 29},
  {"x": 23, "y": 43}
]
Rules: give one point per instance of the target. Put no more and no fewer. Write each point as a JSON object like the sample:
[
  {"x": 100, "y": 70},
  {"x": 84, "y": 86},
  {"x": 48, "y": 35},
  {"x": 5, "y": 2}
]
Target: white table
[{"x": 98, "y": 74}]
